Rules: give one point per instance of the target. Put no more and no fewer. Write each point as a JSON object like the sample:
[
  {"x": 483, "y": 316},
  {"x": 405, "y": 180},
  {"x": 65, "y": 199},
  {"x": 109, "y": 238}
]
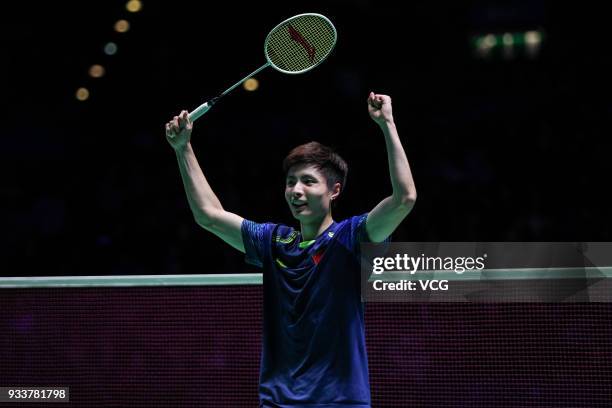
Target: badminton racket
[{"x": 295, "y": 46}]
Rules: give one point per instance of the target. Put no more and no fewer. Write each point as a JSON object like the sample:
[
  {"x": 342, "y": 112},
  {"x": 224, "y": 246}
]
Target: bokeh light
[
  {"x": 133, "y": 6},
  {"x": 110, "y": 48},
  {"x": 508, "y": 40},
  {"x": 96, "y": 71},
  {"x": 82, "y": 94},
  {"x": 122, "y": 26},
  {"x": 251, "y": 84},
  {"x": 533, "y": 37}
]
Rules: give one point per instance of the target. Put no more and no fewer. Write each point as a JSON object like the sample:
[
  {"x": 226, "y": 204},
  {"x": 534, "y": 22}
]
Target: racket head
[{"x": 300, "y": 43}]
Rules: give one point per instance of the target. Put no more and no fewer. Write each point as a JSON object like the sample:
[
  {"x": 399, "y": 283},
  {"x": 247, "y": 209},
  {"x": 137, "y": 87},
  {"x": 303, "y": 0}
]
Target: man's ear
[{"x": 335, "y": 191}]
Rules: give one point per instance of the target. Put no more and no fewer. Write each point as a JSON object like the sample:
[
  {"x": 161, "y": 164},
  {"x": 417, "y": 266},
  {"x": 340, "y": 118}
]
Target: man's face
[{"x": 307, "y": 193}]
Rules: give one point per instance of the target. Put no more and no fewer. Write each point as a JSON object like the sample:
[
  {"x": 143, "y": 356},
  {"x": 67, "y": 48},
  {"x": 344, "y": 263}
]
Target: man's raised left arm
[{"x": 390, "y": 212}]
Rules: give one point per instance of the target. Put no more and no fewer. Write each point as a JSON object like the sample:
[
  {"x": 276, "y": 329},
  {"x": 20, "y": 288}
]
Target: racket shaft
[
  {"x": 203, "y": 108},
  {"x": 231, "y": 88}
]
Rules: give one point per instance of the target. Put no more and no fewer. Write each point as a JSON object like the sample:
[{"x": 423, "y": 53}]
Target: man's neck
[{"x": 312, "y": 230}]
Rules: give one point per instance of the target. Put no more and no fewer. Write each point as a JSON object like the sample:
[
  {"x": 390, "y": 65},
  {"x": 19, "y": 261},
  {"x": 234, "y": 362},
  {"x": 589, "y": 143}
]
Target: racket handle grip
[{"x": 199, "y": 111}]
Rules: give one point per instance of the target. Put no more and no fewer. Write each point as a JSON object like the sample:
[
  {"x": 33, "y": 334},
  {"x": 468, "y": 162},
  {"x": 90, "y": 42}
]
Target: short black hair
[{"x": 323, "y": 158}]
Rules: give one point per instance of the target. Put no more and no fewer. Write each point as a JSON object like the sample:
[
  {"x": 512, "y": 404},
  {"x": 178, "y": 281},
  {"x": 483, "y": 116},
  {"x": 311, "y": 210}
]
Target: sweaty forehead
[{"x": 301, "y": 170}]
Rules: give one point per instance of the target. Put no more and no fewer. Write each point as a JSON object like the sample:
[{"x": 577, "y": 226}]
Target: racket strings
[{"x": 300, "y": 43}]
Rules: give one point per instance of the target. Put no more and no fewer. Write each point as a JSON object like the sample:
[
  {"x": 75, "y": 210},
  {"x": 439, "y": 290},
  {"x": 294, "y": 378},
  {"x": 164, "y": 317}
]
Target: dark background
[{"x": 501, "y": 150}]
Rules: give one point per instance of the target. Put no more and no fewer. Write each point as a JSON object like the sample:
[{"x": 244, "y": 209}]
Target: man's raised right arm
[{"x": 205, "y": 206}]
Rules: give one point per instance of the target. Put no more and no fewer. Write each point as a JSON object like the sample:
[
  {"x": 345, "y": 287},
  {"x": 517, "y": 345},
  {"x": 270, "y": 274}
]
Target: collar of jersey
[{"x": 328, "y": 232}]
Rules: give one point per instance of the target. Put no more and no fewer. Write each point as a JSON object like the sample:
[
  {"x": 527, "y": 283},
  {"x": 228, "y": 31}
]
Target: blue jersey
[{"x": 314, "y": 351}]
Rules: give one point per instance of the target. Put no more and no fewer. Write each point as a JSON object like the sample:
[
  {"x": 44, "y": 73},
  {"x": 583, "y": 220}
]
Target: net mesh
[
  {"x": 200, "y": 346},
  {"x": 300, "y": 43}
]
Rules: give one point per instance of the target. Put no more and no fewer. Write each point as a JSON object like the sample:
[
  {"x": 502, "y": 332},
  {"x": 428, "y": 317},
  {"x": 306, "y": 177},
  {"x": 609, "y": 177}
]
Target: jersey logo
[
  {"x": 318, "y": 255},
  {"x": 287, "y": 240}
]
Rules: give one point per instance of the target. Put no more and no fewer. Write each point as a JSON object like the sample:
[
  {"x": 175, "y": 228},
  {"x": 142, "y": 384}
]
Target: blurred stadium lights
[
  {"x": 82, "y": 94},
  {"x": 533, "y": 41},
  {"x": 507, "y": 45},
  {"x": 110, "y": 48},
  {"x": 122, "y": 26},
  {"x": 251, "y": 84},
  {"x": 96, "y": 71},
  {"x": 133, "y": 6}
]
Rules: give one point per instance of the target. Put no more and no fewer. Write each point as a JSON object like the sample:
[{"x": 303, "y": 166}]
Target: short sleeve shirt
[{"x": 314, "y": 351}]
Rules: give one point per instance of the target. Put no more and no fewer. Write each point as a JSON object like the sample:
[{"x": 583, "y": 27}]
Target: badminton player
[{"x": 314, "y": 351}]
